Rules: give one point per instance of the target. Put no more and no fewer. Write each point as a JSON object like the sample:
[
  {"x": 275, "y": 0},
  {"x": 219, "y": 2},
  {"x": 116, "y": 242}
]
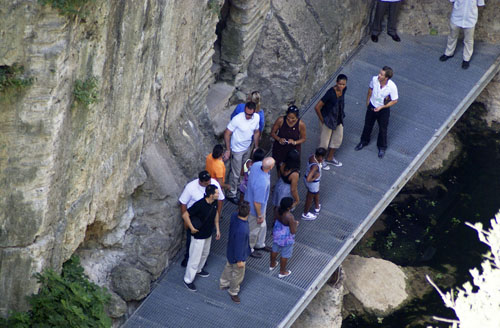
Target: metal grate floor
[{"x": 433, "y": 95}]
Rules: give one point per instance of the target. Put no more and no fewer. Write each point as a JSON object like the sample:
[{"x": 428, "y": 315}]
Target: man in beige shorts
[{"x": 330, "y": 111}]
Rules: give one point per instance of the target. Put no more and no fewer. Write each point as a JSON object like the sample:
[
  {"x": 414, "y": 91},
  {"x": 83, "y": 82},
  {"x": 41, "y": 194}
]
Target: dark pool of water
[{"x": 430, "y": 230}]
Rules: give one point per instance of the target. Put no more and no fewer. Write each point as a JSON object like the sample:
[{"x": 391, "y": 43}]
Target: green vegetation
[
  {"x": 12, "y": 77},
  {"x": 68, "y": 7},
  {"x": 86, "y": 92},
  {"x": 68, "y": 300},
  {"x": 214, "y": 6}
]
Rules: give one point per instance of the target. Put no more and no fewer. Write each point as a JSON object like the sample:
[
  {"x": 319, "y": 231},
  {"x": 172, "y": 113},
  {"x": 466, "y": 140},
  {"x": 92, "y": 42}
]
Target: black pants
[
  {"x": 382, "y": 7},
  {"x": 382, "y": 118}
]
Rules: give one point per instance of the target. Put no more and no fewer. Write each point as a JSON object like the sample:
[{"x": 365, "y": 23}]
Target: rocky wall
[
  {"x": 301, "y": 45},
  {"x": 102, "y": 178}
]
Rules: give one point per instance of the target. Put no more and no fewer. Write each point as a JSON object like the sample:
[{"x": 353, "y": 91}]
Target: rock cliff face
[
  {"x": 86, "y": 177},
  {"x": 103, "y": 181}
]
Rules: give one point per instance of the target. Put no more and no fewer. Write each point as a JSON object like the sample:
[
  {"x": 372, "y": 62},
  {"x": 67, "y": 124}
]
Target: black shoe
[
  {"x": 381, "y": 153},
  {"x": 256, "y": 255},
  {"x": 265, "y": 249},
  {"x": 375, "y": 38},
  {"x": 359, "y": 146},
  {"x": 203, "y": 273},
  {"x": 184, "y": 263},
  {"x": 395, "y": 37},
  {"x": 190, "y": 286},
  {"x": 465, "y": 64},
  {"x": 233, "y": 200},
  {"x": 444, "y": 57}
]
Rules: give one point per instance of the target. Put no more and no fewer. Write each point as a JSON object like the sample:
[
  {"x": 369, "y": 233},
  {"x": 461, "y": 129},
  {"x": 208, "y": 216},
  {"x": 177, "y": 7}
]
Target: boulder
[
  {"x": 117, "y": 307},
  {"x": 130, "y": 283},
  {"x": 379, "y": 285}
]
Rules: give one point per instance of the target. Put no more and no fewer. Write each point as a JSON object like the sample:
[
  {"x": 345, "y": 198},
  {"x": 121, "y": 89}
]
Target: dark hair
[
  {"x": 292, "y": 160},
  {"x": 251, "y": 105},
  {"x": 285, "y": 204},
  {"x": 204, "y": 176},
  {"x": 388, "y": 72},
  {"x": 210, "y": 190},
  {"x": 341, "y": 77},
  {"x": 258, "y": 155},
  {"x": 293, "y": 110},
  {"x": 244, "y": 209},
  {"x": 320, "y": 151},
  {"x": 217, "y": 151}
]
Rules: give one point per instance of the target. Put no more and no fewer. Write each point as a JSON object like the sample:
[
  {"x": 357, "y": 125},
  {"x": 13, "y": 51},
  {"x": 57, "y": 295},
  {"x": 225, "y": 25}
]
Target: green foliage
[
  {"x": 68, "y": 300},
  {"x": 12, "y": 77},
  {"x": 86, "y": 92},
  {"x": 68, "y": 7},
  {"x": 214, "y": 6}
]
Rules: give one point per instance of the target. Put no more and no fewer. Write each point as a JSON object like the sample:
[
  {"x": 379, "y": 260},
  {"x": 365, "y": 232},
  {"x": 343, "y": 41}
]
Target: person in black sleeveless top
[{"x": 288, "y": 132}]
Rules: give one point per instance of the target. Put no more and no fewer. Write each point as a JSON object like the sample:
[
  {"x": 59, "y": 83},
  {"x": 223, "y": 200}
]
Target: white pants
[
  {"x": 198, "y": 253},
  {"x": 257, "y": 232},
  {"x": 468, "y": 41}
]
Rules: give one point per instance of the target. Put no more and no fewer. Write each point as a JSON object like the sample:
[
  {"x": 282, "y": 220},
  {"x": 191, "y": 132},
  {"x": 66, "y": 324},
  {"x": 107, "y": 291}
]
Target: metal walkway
[{"x": 433, "y": 96}]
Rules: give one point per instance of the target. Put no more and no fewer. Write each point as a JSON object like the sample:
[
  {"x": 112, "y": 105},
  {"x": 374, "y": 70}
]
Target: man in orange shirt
[{"x": 215, "y": 166}]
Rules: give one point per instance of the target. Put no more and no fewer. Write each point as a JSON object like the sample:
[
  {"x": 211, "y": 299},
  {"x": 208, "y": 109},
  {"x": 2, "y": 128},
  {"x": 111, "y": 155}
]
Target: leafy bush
[
  {"x": 12, "y": 77},
  {"x": 68, "y": 300},
  {"x": 86, "y": 92},
  {"x": 68, "y": 7}
]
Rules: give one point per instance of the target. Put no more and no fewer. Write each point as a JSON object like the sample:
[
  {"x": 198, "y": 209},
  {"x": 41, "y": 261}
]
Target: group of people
[
  {"x": 463, "y": 17},
  {"x": 250, "y": 170}
]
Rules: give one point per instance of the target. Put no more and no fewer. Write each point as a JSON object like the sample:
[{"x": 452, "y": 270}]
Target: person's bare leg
[
  {"x": 273, "y": 260},
  {"x": 316, "y": 200},
  {"x": 283, "y": 262},
  {"x": 309, "y": 199},
  {"x": 331, "y": 152}
]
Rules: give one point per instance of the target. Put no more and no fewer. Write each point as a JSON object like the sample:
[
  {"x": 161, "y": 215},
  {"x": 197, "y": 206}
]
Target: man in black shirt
[{"x": 201, "y": 219}]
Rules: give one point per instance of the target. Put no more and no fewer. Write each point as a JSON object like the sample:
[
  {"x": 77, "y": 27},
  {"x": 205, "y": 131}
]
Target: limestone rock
[
  {"x": 378, "y": 284},
  {"x": 130, "y": 283},
  {"x": 325, "y": 309},
  {"x": 300, "y": 47},
  {"x": 442, "y": 156},
  {"x": 117, "y": 307},
  {"x": 490, "y": 97}
]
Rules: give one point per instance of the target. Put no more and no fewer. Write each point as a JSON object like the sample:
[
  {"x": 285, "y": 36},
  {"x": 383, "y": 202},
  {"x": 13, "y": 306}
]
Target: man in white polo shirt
[
  {"x": 382, "y": 94},
  {"x": 463, "y": 16},
  {"x": 238, "y": 138}
]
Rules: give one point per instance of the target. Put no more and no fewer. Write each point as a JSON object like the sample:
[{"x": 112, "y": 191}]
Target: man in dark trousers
[
  {"x": 238, "y": 250},
  {"x": 200, "y": 220},
  {"x": 392, "y": 6},
  {"x": 382, "y": 94}
]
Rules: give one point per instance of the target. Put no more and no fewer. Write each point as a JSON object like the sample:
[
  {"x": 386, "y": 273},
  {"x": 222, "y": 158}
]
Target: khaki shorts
[{"x": 331, "y": 138}]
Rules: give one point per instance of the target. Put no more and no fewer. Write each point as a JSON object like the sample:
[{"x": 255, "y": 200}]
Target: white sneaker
[
  {"x": 316, "y": 210},
  {"x": 309, "y": 216},
  {"x": 325, "y": 167},
  {"x": 334, "y": 162}
]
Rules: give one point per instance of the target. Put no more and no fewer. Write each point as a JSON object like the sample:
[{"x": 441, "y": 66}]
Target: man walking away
[{"x": 238, "y": 250}]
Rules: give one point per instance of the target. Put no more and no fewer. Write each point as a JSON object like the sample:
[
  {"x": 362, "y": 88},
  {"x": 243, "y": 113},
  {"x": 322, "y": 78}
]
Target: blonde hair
[{"x": 256, "y": 98}]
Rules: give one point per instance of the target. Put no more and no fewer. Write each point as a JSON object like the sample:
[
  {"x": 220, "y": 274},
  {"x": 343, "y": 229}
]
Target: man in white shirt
[
  {"x": 238, "y": 137},
  {"x": 382, "y": 94},
  {"x": 193, "y": 192},
  {"x": 382, "y": 6},
  {"x": 463, "y": 16}
]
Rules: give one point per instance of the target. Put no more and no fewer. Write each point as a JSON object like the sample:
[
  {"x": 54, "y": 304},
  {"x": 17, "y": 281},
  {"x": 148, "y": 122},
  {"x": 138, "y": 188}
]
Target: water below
[{"x": 427, "y": 228}]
